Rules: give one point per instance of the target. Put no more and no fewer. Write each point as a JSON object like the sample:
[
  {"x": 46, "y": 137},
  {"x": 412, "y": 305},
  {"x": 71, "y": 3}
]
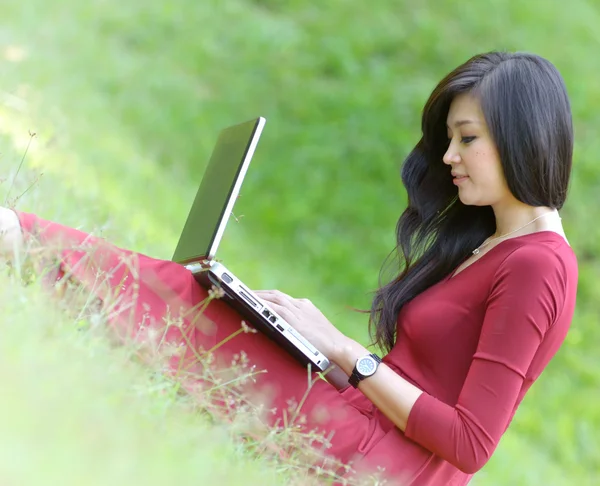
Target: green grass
[
  {"x": 76, "y": 411},
  {"x": 127, "y": 99}
]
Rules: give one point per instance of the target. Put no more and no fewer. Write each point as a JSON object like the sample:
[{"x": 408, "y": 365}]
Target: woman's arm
[
  {"x": 11, "y": 237},
  {"x": 527, "y": 296},
  {"x": 390, "y": 393}
]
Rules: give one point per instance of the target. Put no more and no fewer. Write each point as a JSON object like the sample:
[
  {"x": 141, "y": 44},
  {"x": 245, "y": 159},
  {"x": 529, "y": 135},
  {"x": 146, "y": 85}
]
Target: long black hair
[{"x": 527, "y": 110}]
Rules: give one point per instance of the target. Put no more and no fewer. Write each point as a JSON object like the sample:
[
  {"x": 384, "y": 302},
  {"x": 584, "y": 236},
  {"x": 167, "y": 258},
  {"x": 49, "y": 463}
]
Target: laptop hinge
[{"x": 197, "y": 267}]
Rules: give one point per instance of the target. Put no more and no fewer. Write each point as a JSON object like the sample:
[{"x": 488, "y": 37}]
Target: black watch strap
[{"x": 356, "y": 377}]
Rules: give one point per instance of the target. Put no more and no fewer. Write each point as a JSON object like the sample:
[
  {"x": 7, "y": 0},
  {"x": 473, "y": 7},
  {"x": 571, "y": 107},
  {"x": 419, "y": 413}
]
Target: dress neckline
[{"x": 453, "y": 274}]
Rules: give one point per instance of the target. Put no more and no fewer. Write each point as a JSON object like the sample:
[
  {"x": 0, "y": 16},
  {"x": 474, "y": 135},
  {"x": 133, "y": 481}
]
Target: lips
[{"x": 458, "y": 178}]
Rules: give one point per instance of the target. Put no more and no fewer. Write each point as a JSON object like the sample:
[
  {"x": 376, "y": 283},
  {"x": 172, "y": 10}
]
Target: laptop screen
[{"x": 218, "y": 191}]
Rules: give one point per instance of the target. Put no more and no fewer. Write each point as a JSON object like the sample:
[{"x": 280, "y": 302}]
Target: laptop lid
[{"x": 218, "y": 192}]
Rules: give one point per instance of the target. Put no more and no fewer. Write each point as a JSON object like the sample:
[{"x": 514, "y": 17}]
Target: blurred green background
[{"x": 127, "y": 97}]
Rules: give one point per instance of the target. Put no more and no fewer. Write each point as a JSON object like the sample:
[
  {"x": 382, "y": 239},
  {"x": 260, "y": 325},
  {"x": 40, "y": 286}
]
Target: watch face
[{"x": 366, "y": 366}]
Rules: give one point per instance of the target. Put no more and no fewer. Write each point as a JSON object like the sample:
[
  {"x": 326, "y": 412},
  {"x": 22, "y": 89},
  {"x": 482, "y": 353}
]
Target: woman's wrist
[{"x": 345, "y": 353}]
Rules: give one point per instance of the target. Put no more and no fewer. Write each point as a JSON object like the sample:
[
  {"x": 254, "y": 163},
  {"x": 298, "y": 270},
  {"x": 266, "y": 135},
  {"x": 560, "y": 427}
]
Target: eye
[{"x": 467, "y": 140}]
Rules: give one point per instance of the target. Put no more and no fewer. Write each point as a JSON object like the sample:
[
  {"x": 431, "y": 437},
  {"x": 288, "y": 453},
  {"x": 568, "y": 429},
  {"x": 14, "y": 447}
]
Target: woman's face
[{"x": 472, "y": 155}]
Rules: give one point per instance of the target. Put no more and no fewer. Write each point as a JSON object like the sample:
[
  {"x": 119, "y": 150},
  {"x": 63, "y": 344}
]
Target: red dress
[{"x": 474, "y": 343}]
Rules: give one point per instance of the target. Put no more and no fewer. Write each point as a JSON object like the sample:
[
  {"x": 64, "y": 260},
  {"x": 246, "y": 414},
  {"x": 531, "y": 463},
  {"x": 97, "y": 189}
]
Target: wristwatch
[{"x": 365, "y": 366}]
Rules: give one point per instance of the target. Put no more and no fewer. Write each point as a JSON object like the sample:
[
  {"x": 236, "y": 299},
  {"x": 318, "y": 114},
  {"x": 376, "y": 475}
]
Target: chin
[{"x": 469, "y": 201}]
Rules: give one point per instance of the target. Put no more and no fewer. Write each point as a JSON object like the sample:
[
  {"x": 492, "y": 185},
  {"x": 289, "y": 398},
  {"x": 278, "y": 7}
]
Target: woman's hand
[
  {"x": 390, "y": 392},
  {"x": 303, "y": 316}
]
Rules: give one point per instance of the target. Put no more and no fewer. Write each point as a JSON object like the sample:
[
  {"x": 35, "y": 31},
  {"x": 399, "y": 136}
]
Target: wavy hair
[{"x": 526, "y": 107}]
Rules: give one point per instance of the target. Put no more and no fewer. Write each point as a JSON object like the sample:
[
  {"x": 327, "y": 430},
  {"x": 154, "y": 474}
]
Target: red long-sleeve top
[{"x": 474, "y": 343}]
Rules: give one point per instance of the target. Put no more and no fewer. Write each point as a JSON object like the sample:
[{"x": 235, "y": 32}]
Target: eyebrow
[{"x": 460, "y": 123}]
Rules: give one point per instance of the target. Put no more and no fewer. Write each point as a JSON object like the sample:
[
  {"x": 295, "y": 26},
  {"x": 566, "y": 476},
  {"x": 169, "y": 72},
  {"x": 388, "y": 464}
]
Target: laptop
[{"x": 204, "y": 228}]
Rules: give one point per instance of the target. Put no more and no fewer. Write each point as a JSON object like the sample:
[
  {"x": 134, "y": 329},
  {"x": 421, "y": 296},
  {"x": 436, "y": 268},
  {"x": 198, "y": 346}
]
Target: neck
[{"x": 511, "y": 217}]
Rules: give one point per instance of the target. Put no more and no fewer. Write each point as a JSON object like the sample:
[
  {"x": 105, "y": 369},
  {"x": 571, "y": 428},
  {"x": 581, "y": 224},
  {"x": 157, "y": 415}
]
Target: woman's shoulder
[
  {"x": 540, "y": 251},
  {"x": 529, "y": 256},
  {"x": 537, "y": 263}
]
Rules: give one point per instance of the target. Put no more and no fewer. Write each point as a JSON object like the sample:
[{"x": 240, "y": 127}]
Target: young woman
[{"x": 483, "y": 299}]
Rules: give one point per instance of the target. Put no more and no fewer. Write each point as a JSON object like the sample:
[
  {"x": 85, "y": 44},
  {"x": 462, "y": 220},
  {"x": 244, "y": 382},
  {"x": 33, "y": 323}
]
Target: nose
[{"x": 451, "y": 156}]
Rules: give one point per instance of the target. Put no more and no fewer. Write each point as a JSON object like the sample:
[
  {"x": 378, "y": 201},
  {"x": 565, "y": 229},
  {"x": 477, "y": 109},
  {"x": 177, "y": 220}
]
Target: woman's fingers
[
  {"x": 278, "y": 297},
  {"x": 286, "y": 306},
  {"x": 283, "y": 311}
]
